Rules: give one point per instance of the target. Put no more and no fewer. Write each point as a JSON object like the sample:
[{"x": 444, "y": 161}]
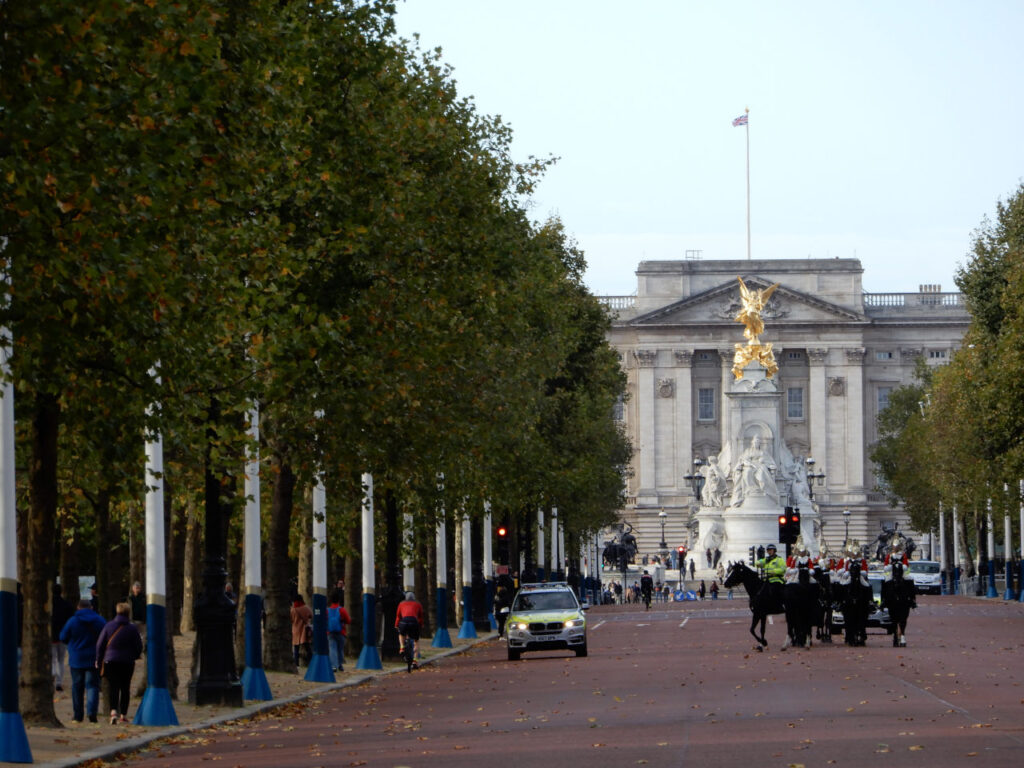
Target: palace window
[
  {"x": 619, "y": 409},
  {"x": 883, "y": 398},
  {"x": 706, "y": 404},
  {"x": 795, "y": 403},
  {"x": 937, "y": 354},
  {"x": 883, "y": 355}
]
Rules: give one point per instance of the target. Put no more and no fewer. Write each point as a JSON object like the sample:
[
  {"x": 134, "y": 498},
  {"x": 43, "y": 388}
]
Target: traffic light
[
  {"x": 789, "y": 526},
  {"x": 784, "y": 526},
  {"x": 502, "y": 544},
  {"x": 750, "y": 556}
]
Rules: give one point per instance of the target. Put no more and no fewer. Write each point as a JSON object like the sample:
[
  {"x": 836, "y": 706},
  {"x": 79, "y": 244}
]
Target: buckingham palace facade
[{"x": 840, "y": 353}]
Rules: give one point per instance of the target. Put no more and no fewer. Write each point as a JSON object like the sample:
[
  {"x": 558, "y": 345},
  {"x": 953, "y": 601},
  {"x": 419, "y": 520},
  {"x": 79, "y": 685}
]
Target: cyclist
[
  {"x": 408, "y": 620},
  {"x": 646, "y": 587}
]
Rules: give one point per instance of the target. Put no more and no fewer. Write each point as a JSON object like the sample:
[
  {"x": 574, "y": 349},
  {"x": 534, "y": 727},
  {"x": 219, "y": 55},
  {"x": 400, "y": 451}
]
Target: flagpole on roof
[
  {"x": 744, "y": 120},
  {"x": 746, "y": 124}
]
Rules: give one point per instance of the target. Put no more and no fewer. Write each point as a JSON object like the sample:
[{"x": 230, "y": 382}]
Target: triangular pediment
[{"x": 722, "y": 303}]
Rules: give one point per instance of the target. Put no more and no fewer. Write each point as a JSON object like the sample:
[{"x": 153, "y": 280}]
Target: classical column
[
  {"x": 156, "y": 707},
  {"x": 369, "y": 657},
  {"x": 254, "y": 678},
  {"x": 726, "y": 355},
  {"x": 854, "y": 386},
  {"x": 645, "y": 438},
  {"x": 684, "y": 414},
  {"x": 818, "y": 408},
  {"x": 319, "y": 669},
  {"x": 14, "y": 746},
  {"x": 441, "y": 637}
]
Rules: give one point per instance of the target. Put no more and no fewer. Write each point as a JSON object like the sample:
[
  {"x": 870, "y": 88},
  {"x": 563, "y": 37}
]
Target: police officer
[{"x": 774, "y": 568}]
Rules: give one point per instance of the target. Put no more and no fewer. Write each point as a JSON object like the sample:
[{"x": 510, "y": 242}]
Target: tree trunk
[
  {"x": 459, "y": 544},
  {"x": 430, "y": 583},
  {"x": 354, "y": 591},
  {"x": 70, "y": 552},
  {"x": 305, "y": 518},
  {"x": 36, "y": 676},
  {"x": 277, "y": 646},
  {"x": 175, "y": 552},
  {"x": 193, "y": 558}
]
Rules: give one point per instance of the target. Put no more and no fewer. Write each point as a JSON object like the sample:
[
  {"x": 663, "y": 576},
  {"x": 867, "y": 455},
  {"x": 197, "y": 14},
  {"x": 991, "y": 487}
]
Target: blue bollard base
[
  {"x": 493, "y": 621},
  {"x": 14, "y": 746},
  {"x": 319, "y": 669},
  {"x": 155, "y": 708},
  {"x": 255, "y": 686},
  {"x": 441, "y": 639},
  {"x": 991, "y": 591},
  {"x": 369, "y": 658},
  {"x": 467, "y": 631}
]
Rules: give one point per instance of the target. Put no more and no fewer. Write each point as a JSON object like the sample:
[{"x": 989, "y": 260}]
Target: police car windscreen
[{"x": 545, "y": 601}]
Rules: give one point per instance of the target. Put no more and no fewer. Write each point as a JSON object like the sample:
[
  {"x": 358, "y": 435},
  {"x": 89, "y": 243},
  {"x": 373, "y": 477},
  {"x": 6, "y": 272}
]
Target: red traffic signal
[
  {"x": 681, "y": 550},
  {"x": 502, "y": 532}
]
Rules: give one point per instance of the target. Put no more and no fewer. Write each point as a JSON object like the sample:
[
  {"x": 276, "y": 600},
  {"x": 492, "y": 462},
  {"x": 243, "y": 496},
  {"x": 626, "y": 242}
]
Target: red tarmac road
[{"x": 677, "y": 686}]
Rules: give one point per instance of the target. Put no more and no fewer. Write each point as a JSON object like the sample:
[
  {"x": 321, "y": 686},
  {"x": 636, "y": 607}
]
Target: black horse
[
  {"x": 899, "y": 595},
  {"x": 762, "y": 601},
  {"x": 822, "y": 617},
  {"x": 855, "y": 600},
  {"x": 800, "y": 599}
]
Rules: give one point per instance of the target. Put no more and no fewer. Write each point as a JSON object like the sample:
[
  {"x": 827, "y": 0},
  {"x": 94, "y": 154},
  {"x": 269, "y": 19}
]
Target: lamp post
[
  {"x": 846, "y": 524},
  {"x": 663, "y": 516},
  {"x": 812, "y": 476},
  {"x": 696, "y": 480}
]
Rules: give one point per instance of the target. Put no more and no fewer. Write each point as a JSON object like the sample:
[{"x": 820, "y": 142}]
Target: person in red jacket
[
  {"x": 409, "y": 620},
  {"x": 337, "y": 630}
]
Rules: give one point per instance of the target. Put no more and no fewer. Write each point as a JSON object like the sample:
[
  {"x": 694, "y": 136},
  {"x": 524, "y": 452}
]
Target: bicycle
[{"x": 409, "y": 652}]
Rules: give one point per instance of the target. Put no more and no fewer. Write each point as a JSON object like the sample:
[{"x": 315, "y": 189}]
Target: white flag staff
[{"x": 744, "y": 120}]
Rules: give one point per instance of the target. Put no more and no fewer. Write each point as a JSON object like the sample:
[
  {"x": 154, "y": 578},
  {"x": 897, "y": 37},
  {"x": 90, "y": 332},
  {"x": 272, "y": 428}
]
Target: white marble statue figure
[
  {"x": 714, "y": 538},
  {"x": 715, "y": 484},
  {"x": 754, "y": 474}
]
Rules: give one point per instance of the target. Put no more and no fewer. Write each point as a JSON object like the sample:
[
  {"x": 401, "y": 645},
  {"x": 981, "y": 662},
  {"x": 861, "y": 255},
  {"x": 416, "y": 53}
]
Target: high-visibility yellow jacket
[{"x": 774, "y": 568}]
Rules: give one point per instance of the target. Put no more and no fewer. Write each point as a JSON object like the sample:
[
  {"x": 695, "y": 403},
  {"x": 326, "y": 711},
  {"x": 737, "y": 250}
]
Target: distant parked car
[{"x": 926, "y": 575}]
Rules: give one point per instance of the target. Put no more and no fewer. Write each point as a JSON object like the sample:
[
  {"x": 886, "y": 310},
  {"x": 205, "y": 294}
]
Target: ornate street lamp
[
  {"x": 663, "y": 516},
  {"x": 812, "y": 476},
  {"x": 846, "y": 522},
  {"x": 696, "y": 480}
]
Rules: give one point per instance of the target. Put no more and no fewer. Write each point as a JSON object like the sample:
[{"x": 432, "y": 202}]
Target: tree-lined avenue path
[{"x": 680, "y": 685}]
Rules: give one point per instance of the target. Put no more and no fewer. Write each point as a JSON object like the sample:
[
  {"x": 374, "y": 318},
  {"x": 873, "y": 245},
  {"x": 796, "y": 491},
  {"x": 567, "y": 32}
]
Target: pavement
[{"x": 91, "y": 744}]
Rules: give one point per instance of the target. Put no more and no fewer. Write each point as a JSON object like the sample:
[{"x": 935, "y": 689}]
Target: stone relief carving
[
  {"x": 855, "y": 356},
  {"x": 666, "y": 387},
  {"x": 817, "y": 356},
  {"x": 837, "y": 386}
]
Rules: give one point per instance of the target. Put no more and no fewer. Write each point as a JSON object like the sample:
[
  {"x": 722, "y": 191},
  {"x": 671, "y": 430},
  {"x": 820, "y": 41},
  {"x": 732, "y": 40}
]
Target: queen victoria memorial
[{"x": 755, "y": 385}]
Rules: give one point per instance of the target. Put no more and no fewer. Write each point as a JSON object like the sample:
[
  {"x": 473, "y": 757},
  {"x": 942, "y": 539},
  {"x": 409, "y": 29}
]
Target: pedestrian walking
[
  {"x": 502, "y": 604},
  {"x": 714, "y": 590},
  {"x": 80, "y": 633},
  {"x": 117, "y": 648},
  {"x": 702, "y": 590},
  {"x": 337, "y": 630},
  {"x": 302, "y": 629}
]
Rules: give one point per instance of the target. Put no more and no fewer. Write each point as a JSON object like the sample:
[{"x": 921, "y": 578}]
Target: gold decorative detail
[{"x": 750, "y": 315}]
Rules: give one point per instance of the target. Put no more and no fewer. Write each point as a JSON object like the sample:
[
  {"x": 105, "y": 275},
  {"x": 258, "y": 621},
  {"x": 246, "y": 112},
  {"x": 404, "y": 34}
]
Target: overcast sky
[{"x": 883, "y": 131}]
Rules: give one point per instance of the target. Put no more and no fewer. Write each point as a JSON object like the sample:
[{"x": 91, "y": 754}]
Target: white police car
[{"x": 546, "y": 616}]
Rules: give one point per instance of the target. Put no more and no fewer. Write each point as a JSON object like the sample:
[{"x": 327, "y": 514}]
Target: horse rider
[{"x": 774, "y": 568}]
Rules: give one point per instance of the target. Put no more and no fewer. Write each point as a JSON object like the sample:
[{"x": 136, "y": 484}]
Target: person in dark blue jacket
[
  {"x": 80, "y": 633},
  {"x": 117, "y": 648}
]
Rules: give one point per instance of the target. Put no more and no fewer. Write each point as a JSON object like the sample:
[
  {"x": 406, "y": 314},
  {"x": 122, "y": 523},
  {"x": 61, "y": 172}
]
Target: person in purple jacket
[
  {"x": 117, "y": 648},
  {"x": 80, "y": 633}
]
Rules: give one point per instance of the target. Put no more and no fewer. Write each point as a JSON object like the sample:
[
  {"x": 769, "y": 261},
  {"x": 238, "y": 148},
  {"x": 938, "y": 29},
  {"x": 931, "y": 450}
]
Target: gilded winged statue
[{"x": 754, "y": 301}]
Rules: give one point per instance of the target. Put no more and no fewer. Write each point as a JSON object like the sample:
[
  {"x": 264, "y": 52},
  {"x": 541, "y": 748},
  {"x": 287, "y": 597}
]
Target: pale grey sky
[{"x": 880, "y": 130}]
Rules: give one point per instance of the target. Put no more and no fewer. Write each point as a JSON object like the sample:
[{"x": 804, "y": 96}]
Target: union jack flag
[{"x": 741, "y": 120}]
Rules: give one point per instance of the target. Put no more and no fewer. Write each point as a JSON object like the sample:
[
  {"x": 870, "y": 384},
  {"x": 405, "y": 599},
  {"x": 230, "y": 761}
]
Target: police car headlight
[
  {"x": 520, "y": 625},
  {"x": 574, "y": 623}
]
